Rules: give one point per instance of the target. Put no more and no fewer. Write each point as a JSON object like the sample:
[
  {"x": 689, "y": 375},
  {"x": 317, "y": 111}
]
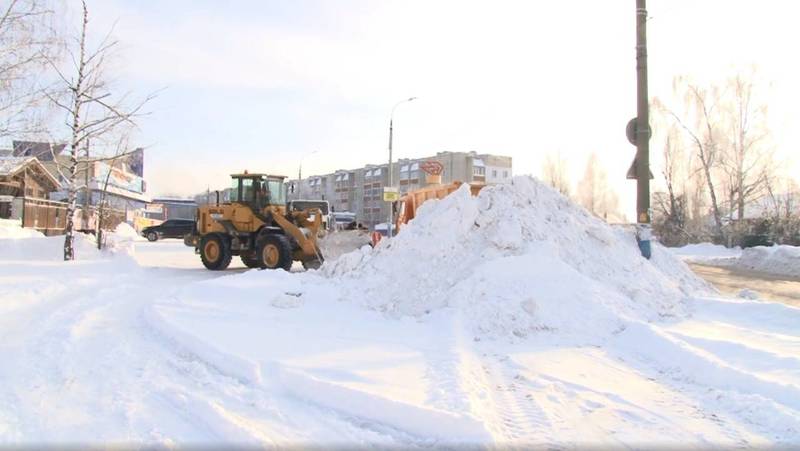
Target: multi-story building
[{"x": 361, "y": 190}]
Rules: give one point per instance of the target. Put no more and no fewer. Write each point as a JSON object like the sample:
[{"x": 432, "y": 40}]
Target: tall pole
[
  {"x": 391, "y": 132},
  {"x": 642, "y": 131},
  {"x": 300, "y": 172},
  {"x": 391, "y": 213}
]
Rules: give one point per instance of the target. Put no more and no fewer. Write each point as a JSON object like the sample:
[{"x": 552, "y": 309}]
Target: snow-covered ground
[
  {"x": 707, "y": 253},
  {"x": 514, "y": 318},
  {"x": 780, "y": 260}
]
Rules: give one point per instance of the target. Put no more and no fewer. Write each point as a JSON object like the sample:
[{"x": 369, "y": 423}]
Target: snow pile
[
  {"x": 17, "y": 243},
  {"x": 715, "y": 254},
  {"x": 516, "y": 259},
  {"x": 12, "y": 228},
  {"x": 779, "y": 260},
  {"x": 125, "y": 230},
  {"x": 122, "y": 240}
]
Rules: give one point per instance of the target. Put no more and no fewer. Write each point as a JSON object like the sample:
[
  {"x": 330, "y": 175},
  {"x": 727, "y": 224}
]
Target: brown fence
[
  {"x": 46, "y": 216},
  {"x": 50, "y": 217}
]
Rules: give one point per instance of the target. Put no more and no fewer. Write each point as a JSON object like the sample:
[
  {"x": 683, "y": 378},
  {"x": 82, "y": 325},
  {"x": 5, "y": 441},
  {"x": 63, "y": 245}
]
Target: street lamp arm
[{"x": 391, "y": 116}]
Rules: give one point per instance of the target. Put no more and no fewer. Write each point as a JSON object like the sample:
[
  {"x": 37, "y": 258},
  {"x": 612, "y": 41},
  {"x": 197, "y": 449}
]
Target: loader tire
[
  {"x": 215, "y": 252},
  {"x": 275, "y": 252},
  {"x": 251, "y": 261}
]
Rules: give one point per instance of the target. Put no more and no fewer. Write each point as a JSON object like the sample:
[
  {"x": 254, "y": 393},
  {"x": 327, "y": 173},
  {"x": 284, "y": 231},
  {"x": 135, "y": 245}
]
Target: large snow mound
[
  {"x": 516, "y": 259},
  {"x": 779, "y": 260}
]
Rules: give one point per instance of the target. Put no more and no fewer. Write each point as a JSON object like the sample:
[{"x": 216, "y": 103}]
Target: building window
[
  {"x": 478, "y": 168},
  {"x": 505, "y": 174},
  {"x": 494, "y": 173}
]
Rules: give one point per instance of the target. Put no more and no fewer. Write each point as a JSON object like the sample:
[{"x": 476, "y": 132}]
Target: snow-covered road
[
  {"x": 108, "y": 350},
  {"x": 472, "y": 326}
]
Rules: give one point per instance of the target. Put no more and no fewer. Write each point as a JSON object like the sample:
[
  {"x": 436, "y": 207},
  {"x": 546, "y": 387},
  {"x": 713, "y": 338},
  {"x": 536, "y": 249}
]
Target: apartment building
[{"x": 361, "y": 190}]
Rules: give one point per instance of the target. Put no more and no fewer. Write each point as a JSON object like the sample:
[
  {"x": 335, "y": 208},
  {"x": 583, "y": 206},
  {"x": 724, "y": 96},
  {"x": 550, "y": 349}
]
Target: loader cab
[{"x": 258, "y": 190}]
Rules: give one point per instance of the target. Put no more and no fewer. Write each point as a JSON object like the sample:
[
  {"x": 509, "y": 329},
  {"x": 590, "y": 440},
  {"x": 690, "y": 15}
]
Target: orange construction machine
[{"x": 412, "y": 200}]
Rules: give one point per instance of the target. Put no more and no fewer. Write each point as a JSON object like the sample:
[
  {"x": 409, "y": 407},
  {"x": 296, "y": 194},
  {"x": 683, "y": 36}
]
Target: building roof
[
  {"x": 40, "y": 150},
  {"x": 174, "y": 200},
  {"x": 11, "y": 166},
  {"x": 256, "y": 174}
]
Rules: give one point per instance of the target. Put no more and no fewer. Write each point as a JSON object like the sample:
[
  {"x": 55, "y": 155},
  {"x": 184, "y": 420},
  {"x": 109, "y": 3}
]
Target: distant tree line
[{"x": 721, "y": 178}]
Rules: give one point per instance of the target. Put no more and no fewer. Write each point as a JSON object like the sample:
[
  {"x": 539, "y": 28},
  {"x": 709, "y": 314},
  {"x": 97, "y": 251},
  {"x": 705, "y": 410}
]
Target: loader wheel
[
  {"x": 275, "y": 252},
  {"x": 251, "y": 261},
  {"x": 215, "y": 252}
]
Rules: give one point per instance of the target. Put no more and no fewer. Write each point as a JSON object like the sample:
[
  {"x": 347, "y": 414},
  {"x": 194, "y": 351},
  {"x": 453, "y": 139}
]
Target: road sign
[
  {"x": 630, "y": 131},
  {"x": 391, "y": 194},
  {"x": 631, "y": 175}
]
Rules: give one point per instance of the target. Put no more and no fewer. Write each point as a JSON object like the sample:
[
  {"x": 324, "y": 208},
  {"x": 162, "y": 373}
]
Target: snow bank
[
  {"x": 707, "y": 253},
  {"x": 17, "y": 243},
  {"x": 51, "y": 248},
  {"x": 516, "y": 259},
  {"x": 779, "y": 260},
  {"x": 12, "y": 228},
  {"x": 122, "y": 240}
]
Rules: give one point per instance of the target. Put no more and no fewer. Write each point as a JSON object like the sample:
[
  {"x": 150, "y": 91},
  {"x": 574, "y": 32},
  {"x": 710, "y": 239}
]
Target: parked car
[{"x": 172, "y": 228}]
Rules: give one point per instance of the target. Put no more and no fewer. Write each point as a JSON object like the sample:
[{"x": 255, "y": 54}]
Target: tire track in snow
[{"x": 496, "y": 396}]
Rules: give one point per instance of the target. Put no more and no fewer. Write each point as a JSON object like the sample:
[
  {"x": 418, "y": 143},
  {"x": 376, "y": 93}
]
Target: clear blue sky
[{"x": 258, "y": 84}]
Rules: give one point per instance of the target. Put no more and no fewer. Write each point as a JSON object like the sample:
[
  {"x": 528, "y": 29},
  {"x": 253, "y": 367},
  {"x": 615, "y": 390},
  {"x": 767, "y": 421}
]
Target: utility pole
[
  {"x": 642, "y": 133},
  {"x": 390, "y": 166}
]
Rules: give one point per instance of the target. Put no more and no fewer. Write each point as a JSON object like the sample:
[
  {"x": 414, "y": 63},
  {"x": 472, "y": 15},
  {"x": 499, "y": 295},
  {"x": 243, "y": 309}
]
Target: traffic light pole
[{"x": 642, "y": 133}]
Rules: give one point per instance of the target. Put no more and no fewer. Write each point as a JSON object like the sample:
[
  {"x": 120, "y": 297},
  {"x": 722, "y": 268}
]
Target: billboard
[{"x": 118, "y": 177}]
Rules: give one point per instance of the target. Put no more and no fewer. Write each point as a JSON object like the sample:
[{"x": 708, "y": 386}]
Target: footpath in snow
[{"x": 511, "y": 318}]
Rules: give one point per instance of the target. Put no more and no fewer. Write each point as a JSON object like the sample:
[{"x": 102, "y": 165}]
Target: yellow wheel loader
[{"x": 256, "y": 226}]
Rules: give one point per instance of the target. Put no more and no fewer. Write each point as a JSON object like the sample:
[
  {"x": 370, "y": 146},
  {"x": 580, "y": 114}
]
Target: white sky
[{"x": 259, "y": 84}]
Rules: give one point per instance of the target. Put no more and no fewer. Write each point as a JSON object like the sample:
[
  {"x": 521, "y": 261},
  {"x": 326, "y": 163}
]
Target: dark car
[{"x": 172, "y": 228}]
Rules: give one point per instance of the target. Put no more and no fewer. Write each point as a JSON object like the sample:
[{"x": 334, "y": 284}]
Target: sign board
[
  {"x": 155, "y": 208},
  {"x": 631, "y": 175},
  {"x": 391, "y": 194},
  {"x": 631, "y": 129},
  {"x": 117, "y": 177},
  {"x": 432, "y": 167}
]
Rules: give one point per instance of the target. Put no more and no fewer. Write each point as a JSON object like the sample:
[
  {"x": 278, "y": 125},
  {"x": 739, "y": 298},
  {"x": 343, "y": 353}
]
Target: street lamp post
[
  {"x": 300, "y": 172},
  {"x": 391, "y": 127}
]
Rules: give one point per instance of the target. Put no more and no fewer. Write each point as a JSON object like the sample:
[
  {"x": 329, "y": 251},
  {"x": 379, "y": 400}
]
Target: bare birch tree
[
  {"x": 92, "y": 112},
  {"x": 27, "y": 41},
  {"x": 746, "y": 160},
  {"x": 554, "y": 173},
  {"x": 594, "y": 193},
  {"x": 702, "y": 122}
]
